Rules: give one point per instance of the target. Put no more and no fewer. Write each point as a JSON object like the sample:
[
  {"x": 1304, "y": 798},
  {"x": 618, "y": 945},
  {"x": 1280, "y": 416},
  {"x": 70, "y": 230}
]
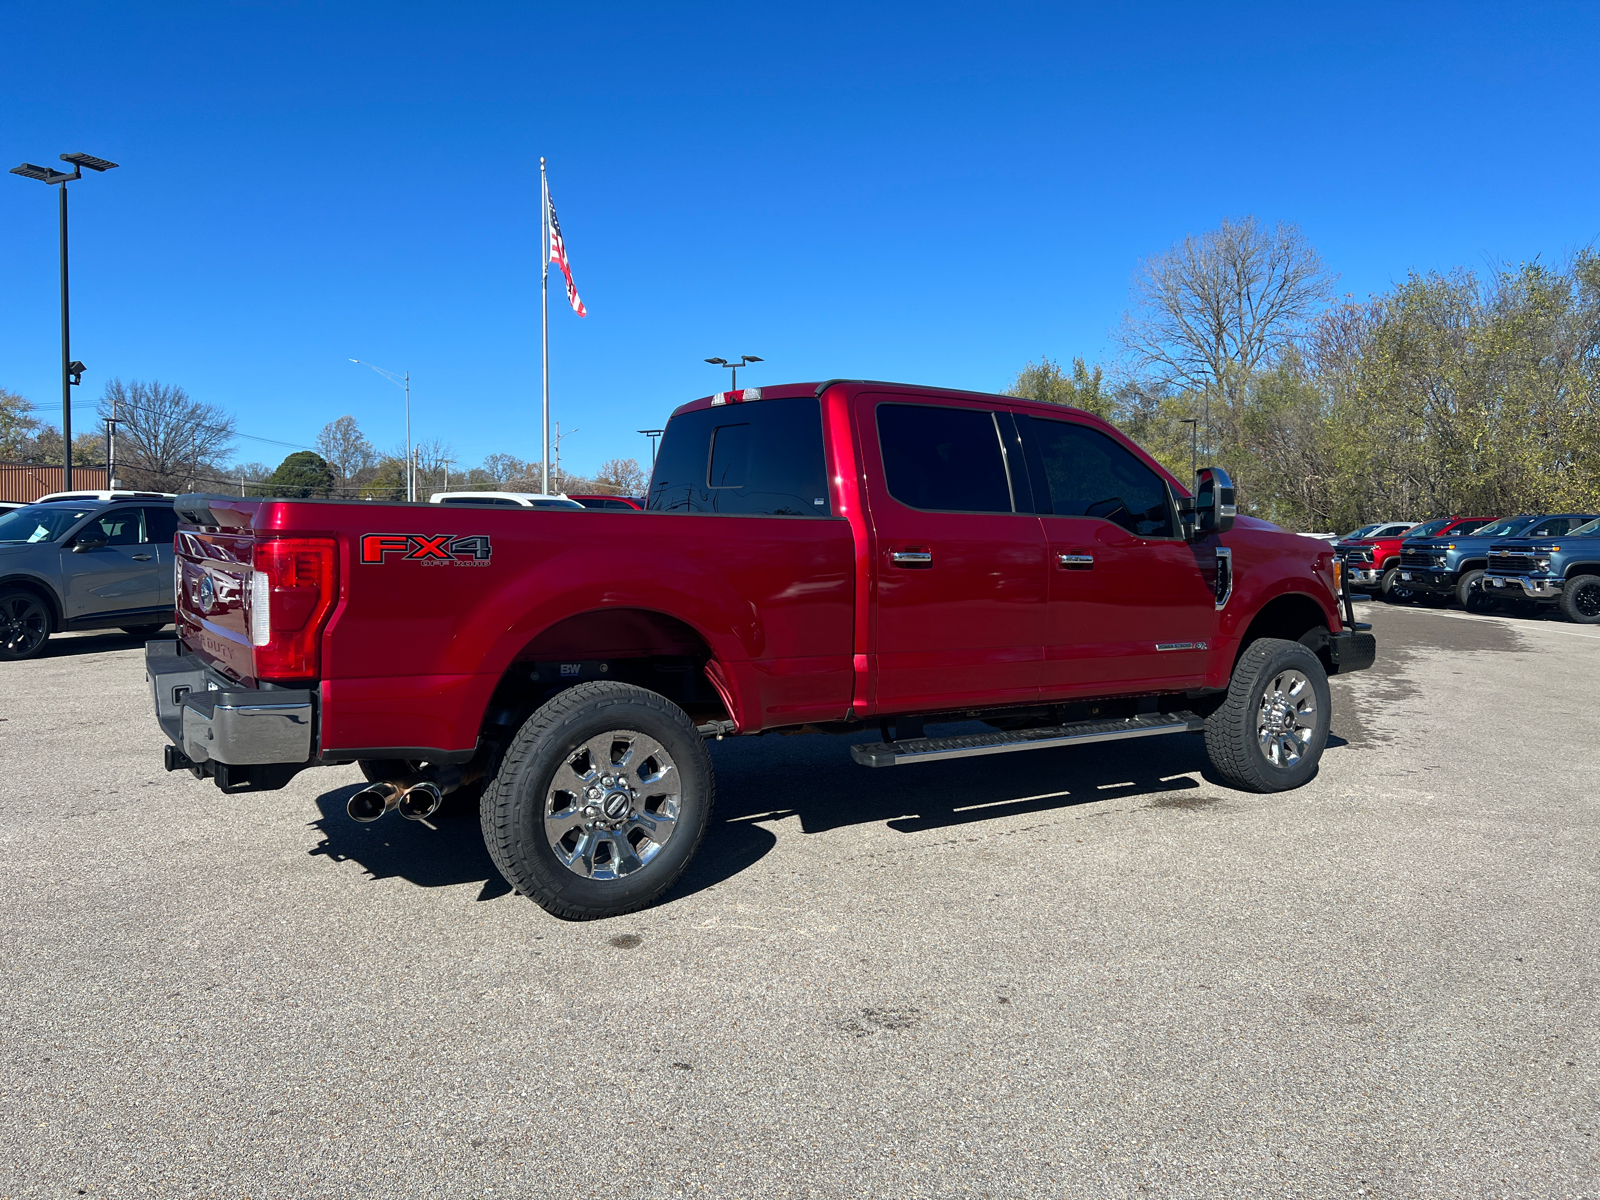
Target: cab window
[
  {"x": 1088, "y": 474},
  {"x": 943, "y": 459}
]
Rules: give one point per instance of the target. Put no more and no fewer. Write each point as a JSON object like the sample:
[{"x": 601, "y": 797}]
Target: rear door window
[
  {"x": 1090, "y": 475},
  {"x": 759, "y": 459},
  {"x": 160, "y": 525},
  {"x": 943, "y": 459},
  {"x": 120, "y": 527}
]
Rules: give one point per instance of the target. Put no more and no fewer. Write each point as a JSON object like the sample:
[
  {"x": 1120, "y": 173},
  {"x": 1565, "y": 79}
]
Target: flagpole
[{"x": 544, "y": 298}]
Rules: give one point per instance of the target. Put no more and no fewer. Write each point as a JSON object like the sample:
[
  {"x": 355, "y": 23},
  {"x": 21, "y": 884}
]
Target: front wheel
[
  {"x": 24, "y": 625},
  {"x": 1469, "y": 590},
  {"x": 601, "y": 801},
  {"x": 1580, "y": 600},
  {"x": 1393, "y": 590},
  {"x": 1268, "y": 735}
]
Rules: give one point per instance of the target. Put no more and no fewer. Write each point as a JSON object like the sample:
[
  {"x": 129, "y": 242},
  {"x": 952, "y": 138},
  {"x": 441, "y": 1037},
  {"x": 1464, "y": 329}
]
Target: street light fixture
[
  {"x": 734, "y": 366},
  {"x": 652, "y": 434},
  {"x": 401, "y": 381},
  {"x": 71, "y": 371}
]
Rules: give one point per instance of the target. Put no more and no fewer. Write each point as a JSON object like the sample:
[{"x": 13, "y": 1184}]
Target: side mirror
[
  {"x": 1212, "y": 510},
  {"x": 90, "y": 542}
]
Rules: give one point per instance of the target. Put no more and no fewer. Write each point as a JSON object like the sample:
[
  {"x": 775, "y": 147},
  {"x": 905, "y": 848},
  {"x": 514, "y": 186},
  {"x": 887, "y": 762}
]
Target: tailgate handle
[
  {"x": 1076, "y": 562},
  {"x": 912, "y": 559}
]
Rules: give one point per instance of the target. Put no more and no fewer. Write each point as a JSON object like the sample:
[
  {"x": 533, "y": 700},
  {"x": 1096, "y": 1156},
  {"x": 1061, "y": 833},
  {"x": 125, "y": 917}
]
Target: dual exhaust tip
[{"x": 416, "y": 802}]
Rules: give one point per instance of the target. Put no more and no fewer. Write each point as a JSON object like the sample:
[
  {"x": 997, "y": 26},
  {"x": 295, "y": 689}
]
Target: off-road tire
[
  {"x": 1392, "y": 590},
  {"x": 1233, "y": 740},
  {"x": 1470, "y": 593},
  {"x": 25, "y": 625},
  {"x": 143, "y": 631},
  {"x": 513, "y": 808},
  {"x": 1580, "y": 599}
]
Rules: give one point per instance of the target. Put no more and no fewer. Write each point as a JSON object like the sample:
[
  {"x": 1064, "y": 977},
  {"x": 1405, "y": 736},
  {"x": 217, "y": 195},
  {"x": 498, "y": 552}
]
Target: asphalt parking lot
[{"x": 1087, "y": 973}]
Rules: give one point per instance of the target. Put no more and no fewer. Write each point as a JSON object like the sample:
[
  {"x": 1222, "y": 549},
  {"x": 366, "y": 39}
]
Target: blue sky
[{"x": 927, "y": 192}]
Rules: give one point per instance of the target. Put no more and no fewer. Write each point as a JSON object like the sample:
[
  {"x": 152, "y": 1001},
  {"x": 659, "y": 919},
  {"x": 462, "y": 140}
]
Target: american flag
[{"x": 558, "y": 255}]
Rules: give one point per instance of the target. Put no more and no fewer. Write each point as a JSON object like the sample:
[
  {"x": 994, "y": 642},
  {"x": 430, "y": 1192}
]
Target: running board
[{"x": 1075, "y": 733}]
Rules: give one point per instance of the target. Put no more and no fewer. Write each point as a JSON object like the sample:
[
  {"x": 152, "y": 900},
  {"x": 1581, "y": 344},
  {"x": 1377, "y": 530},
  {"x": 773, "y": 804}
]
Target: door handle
[
  {"x": 143, "y": 557},
  {"x": 1076, "y": 562},
  {"x": 912, "y": 559}
]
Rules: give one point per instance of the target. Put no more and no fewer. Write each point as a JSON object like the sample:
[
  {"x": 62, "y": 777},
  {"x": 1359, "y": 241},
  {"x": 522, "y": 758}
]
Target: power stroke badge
[{"x": 442, "y": 550}]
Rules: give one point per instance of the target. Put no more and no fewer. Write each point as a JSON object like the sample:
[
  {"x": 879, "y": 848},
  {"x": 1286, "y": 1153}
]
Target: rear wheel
[
  {"x": 24, "y": 625},
  {"x": 1268, "y": 734},
  {"x": 1469, "y": 590},
  {"x": 1580, "y": 600},
  {"x": 601, "y": 801}
]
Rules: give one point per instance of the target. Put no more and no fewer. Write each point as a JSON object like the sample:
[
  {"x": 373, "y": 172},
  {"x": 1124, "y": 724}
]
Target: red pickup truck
[{"x": 849, "y": 557}]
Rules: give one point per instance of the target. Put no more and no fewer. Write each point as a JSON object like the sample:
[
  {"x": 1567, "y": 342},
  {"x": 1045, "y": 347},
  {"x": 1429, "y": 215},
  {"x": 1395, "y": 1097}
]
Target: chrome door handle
[
  {"x": 143, "y": 557},
  {"x": 911, "y": 558},
  {"x": 1076, "y": 562}
]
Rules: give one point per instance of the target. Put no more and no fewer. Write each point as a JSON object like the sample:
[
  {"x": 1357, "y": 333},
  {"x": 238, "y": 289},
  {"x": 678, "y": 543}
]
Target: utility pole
[
  {"x": 559, "y": 436},
  {"x": 1191, "y": 422}
]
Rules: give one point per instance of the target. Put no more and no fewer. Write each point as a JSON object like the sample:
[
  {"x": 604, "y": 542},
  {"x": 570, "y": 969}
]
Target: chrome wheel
[
  {"x": 612, "y": 805},
  {"x": 1287, "y": 719},
  {"x": 24, "y": 624}
]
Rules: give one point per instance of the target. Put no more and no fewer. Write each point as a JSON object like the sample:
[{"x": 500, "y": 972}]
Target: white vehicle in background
[{"x": 504, "y": 500}]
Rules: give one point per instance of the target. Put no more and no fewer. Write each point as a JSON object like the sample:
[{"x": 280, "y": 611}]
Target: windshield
[
  {"x": 39, "y": 522},
  {"x": 1590, "y": 530},
  {"x": 1357, "y": 533},
  {"x": 1504, "y": 528},
  {"x": 1428, "y": 530}
]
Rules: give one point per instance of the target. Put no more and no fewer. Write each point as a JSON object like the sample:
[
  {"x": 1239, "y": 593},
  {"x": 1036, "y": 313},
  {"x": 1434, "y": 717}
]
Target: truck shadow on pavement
[{"x": 771, "y": 779}]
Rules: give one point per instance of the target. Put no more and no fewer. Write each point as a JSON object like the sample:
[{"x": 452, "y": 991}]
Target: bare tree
[
  {"x": 165, "y": 439},
  {"x": 622, "y": 477},
  {"x": 1221, "y": 304},
  {"x": 346, "y": 449}
]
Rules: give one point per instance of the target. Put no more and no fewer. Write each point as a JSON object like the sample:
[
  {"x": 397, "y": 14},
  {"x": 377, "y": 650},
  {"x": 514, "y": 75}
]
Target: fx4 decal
[{"x": 431, "y": 550}]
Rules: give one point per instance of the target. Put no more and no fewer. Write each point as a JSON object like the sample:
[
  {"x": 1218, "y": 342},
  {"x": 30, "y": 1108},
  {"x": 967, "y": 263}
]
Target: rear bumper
[
  {"x": 225, "y": 731},
  {"x": 1352, "y": 650},
  {"x": 1534, "y": 589}
]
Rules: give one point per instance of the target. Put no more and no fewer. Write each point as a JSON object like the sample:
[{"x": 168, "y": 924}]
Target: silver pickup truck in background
[{"x": 83, "y": 564}]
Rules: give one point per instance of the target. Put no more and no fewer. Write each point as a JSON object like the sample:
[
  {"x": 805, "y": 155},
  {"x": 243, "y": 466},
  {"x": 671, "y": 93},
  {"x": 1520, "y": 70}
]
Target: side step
[{"x": 1075, "y": 733}]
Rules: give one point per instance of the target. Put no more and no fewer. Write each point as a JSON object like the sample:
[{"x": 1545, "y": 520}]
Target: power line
[{"x": 201, "y": 424}]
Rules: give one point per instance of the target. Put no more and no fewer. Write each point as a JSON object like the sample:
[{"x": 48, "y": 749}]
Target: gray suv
[{"x": 74, "y": 564}]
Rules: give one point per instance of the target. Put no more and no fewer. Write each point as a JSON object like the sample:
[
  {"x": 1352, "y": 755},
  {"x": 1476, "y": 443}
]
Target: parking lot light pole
[
  {"x": 652, "y": 434},
  {"x": 71, "y": 372},
  {"x": 744, "y": 360}
]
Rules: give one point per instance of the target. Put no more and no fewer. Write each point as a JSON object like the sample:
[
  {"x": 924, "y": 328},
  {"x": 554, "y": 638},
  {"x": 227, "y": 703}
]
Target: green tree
[
  {"x": 1084, "y": 388},
  {"x": 17, "y": 426},
  {"x": 303, "y": 473}
]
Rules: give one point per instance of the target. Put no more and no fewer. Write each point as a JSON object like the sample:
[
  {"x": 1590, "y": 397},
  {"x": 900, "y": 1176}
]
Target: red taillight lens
[{"x": 292, "y": 590}]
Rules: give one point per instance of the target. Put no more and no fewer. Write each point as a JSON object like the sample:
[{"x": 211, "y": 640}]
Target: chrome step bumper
[{"x": 1075, "y": 733}]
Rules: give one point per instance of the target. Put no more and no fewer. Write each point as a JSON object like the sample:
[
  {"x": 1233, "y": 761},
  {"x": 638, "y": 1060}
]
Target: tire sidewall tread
[
  {"x": 512, "y": 809},
  {"x": 1231, "y": 740}
]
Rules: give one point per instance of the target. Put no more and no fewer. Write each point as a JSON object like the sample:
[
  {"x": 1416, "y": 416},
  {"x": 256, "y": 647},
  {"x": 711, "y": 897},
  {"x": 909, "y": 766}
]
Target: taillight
[{"x": 292, "y": 590}]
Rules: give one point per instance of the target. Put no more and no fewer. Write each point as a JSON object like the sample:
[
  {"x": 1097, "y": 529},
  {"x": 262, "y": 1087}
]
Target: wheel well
[
  {"x": 23, "y": 583},
  {"x": 1294, "y": 617},
  {"x": 648, "y": 649},
  {"x": 1583, "y": 569}
]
